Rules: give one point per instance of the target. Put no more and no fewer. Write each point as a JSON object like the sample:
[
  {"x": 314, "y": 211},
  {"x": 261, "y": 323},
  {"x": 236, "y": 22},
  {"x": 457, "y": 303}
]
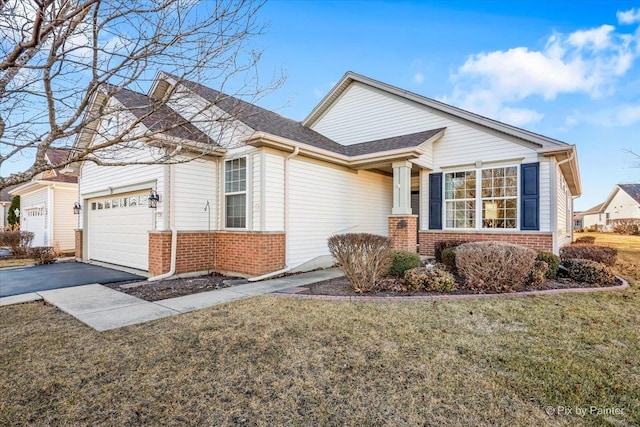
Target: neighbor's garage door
[{"x": 118, "y": 230}]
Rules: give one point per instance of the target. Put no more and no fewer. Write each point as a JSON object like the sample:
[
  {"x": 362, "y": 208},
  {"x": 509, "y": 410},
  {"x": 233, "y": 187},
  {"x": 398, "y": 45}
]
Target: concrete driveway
[{"x": 23, "y": 280}]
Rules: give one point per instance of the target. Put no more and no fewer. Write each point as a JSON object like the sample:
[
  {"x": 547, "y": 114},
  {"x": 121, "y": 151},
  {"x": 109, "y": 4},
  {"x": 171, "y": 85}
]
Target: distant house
[
  {"x": 46, "y": 204},
  {"x": 369, "y": 158},
  {"x": 623, "y": 203},
  {"x": 5, "y": 202}
]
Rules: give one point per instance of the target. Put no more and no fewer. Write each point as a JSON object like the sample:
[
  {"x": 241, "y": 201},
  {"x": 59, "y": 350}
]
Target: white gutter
[
  {"x": 172, "y": 222},
  {"x": 286, "y": 268}
]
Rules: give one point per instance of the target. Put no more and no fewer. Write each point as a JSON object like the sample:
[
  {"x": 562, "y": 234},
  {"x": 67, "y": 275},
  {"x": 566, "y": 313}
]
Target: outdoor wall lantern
[
  {"x": 76, "y": 208},
  {"x": 153, "y": 199}
]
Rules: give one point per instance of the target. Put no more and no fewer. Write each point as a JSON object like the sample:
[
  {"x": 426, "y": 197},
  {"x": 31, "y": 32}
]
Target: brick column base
[
  {"x": 403, "y": 232},
  {"x": 159, "y": 252},
  {"x": 78, "y": 244}
]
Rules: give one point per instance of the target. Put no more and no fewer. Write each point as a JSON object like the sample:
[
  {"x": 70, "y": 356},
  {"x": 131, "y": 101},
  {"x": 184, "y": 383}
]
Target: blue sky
[{"x": 569, "y": 70}]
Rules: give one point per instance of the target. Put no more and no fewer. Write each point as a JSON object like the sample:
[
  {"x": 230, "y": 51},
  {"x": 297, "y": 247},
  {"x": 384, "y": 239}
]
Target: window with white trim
[
  {"x": 481, "y": 198},
  {"x": 235, "y": 193}
]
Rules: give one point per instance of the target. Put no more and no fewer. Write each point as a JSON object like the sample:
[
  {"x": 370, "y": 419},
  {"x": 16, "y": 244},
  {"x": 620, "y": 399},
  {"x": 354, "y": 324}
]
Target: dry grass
[{"x": 280, "y": 361}]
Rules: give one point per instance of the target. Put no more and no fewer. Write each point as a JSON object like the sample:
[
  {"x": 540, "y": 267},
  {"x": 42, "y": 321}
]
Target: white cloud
[
  {"x": 627, "y": 17},
  {"x": 418, "y": 78},
  {"x": 620, "y": 115},
  {"x": 590, "y": 62}
]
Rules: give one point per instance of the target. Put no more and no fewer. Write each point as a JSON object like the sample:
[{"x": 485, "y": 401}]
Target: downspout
[
  {"x": 172, "y": 226},
  {"x": 286, "y": 268}
]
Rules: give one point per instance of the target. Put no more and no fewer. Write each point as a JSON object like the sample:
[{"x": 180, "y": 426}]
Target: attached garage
[
  {"x": 118, "y": 229},
  {"x": 34, "y": 220}
]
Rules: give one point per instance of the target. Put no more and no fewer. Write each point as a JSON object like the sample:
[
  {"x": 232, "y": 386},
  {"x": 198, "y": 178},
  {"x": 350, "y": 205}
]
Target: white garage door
[
  {"x": 118, "y": 230},
  {"x": 33, "y": 220}
]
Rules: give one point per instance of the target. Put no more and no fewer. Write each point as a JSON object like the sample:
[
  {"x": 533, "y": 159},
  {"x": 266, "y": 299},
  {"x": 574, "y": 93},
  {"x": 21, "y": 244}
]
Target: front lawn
[{"x": 281, "y": 361}]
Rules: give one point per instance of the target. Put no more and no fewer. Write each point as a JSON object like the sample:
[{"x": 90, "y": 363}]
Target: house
[
  {"x": 370, "y": 157},
  {"x": 46, "y": 204},
  {"x": 622, "y": 203},
  {"x": 5, "y": 203}
]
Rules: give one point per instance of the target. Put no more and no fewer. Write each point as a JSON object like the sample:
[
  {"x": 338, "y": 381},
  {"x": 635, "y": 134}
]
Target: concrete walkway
[{"x": 103, "y": 308}]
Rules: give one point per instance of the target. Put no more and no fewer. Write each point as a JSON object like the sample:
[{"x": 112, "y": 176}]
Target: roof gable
[{"x": 632, "y": 190}]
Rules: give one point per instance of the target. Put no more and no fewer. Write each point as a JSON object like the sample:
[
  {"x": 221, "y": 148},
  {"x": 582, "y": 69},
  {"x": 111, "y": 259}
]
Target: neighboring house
[
  {"x": 5, "y": 202},
  {"x": 578, "y": 220},
  {"x": 369, "y": 158},
  {"x": 623, "y": 203},
  {"x": 46, "y": 204}
]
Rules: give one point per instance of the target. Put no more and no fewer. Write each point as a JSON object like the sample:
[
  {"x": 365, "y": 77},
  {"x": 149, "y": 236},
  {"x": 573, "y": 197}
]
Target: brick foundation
[
  {"x": 251, "y": 253},
  {"x": 403, "y": 232},
  {"x": 78, "y": 244},
  {"x": 534, "y": 240}
]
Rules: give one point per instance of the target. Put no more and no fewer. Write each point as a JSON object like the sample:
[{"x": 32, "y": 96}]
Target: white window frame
[
  {"x": 234, "y": 193},
  {"x": 478, "y": 199}
]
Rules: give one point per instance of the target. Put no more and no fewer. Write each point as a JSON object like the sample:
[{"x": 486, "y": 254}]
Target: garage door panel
[{"x": 120, "y": 235}]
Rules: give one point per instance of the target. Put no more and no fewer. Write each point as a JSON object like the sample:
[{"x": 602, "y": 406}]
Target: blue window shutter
[
  {"x": 530, "y": 196},
  {"x": 435, "y": 201}
]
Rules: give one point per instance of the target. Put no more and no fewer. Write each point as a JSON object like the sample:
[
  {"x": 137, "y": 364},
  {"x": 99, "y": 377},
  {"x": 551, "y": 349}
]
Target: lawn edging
[{"x": 296, "y": 294}]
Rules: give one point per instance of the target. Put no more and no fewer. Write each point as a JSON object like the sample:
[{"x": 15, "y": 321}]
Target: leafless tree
[
  {"x": 637, "y": 156},
  {"x": 58, "y": 57}
]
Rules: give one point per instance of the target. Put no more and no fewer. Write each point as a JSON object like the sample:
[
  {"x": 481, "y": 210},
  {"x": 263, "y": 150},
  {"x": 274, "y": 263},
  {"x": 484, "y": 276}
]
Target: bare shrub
[
  {"x": 42, "y": 254},
  {"x": 495, "y": 266},
  {"x": 538, "y": 274},
  {"x": 585, "y": 270},
  {"x": 429, "y": 279},
  {"x": 364, "y": 258},
  {"x": 17, "y": 241},
  {"x": 587, "y": 240},
  {"x": 630, "y": 226},
  {"x": 602, "y": 254}
]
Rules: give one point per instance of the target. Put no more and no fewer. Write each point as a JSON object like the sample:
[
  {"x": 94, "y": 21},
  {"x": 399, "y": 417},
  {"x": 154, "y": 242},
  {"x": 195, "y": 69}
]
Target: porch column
[
  {"x": 402, "y": 224},
  {"x": 401, "y": 188}
]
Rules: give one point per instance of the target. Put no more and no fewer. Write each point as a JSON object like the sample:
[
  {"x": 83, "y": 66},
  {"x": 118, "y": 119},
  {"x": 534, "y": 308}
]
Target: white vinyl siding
[
  {"x": 622, "y": 206},
  {"x": 64, "y": 220},
  {"x": 274, "y": 192},
  {"x": 564, "y": 210},
  {"x": 326, "y": 200},
  {"x": 196, "y": 183}
]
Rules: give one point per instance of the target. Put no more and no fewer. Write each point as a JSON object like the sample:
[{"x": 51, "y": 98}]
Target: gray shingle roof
[
  {"x": 632, "y": 190},
  {"x": 393, "y": 143},
  {"x": 160, "y": 118},
  {"x": 262, "y": 120},
  {"x": 593, "y": 210},
  {"x": 57, "y": 155},
  {"x": 4, "y": 194}
]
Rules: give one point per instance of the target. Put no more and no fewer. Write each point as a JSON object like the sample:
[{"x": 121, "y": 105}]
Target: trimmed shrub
[
  {"x": 585, "y": 270},
  {"x": 448, "y": 256},
  {"x": 42, "y": 254},
  {"x": 18, "y": 241},
  {"x": 538, "y": 274},
  {"x": 438, "y": 247},
  {"x": 495, "y": 266},
  {"x": 553, "y": 262},
  {"x": 602, "y": 254},
  {"x": 431, "y": 279},
  {"x": 403, "y": 261},
  {"x": 587, "y": 240},
  {"x": 365, "y": 258}
]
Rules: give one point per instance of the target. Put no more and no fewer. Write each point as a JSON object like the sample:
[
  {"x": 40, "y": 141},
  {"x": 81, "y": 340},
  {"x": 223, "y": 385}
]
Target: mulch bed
[
  {"x": 163, "y": 289},
  {"x": 340, "y": 286}
]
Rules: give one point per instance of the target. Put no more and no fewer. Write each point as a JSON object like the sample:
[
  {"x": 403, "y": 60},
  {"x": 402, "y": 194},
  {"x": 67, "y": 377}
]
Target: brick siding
[
  {"x": 536, "y": 241},
  {"x": 403, "y": 232},
  {"x": 78, "y": 244},
  {"x": 251, "y": 253}
]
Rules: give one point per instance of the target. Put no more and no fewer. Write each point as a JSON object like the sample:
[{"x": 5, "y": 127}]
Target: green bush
[
  {"x": 430, "y": 279},
  {"x": 448, "y": 256},
  {"x": 403, "y": 261},
  {"x": 12, "y": 218},
  {"x": 602, "y": 254},
  {"x": 364, "y": 258},
  {"x": 438, "y": 247},
  {"x": 553, "y": 262},
  {"x": 538, "y": 274},
  {"x": 495, "y": 266},
  {"x": 587, "y": 240},
  {"x": 585, "y": 270}
]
